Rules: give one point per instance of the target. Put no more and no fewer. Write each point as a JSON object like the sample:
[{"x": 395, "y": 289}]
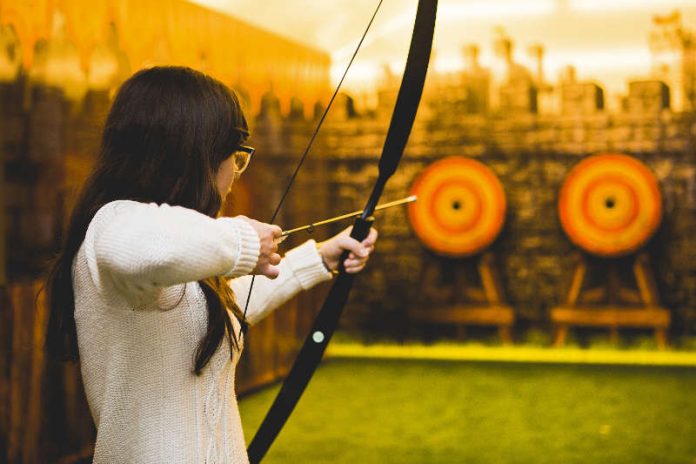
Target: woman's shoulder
[
  {"x": 122, "y": 206},
  {"x": 139, "y": 209},
  {"x": 150, "y": 210},
  {"x": 119, "y": 216},
  {"x": 106, "y": 213}
]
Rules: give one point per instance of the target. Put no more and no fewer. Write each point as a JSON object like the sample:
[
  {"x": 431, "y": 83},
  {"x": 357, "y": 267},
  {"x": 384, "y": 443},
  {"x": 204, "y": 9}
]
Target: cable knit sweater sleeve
[
  {"x": 137, "y": 248},
  {"x": 300, "y": 269}
]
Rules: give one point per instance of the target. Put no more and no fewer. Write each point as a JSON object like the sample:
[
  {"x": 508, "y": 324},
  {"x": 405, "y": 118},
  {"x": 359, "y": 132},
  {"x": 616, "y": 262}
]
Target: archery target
[
  {"x": 610, "y": 204},
  {"x": 460, "y": 208}
]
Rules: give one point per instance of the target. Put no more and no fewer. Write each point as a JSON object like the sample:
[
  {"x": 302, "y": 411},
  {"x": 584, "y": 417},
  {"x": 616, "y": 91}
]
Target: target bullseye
[
  {"x": 460, "y": 209},
  {"x": 610, "y": 204}
]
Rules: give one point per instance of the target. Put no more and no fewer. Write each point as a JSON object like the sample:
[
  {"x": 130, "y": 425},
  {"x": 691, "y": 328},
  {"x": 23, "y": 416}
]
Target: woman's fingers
[
  {"x": 345, "y": 242},
  {"x": 354, "y": 268},
  {"x": 369, "y": 249},
  {"x": 269, "y": 271},
  {"x": 359, "y": 252},
  {"x": 269, "y": 235},
  {"x": 353, "y": 262},
  {"x": 371, "y": 238}
]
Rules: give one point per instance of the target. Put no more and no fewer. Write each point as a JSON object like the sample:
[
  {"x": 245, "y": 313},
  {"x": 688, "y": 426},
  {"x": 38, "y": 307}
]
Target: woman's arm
[
  {"x": 137, "y": 246},
  {"x": 300, "y": 269}
]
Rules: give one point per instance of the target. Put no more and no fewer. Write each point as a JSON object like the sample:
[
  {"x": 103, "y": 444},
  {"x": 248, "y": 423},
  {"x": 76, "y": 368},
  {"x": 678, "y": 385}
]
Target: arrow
[{"x": 310, "y": 227}]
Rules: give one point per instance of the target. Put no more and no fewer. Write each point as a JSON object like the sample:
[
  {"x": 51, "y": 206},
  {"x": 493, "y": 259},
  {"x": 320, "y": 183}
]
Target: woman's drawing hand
[{"x": 269, "y": 235}]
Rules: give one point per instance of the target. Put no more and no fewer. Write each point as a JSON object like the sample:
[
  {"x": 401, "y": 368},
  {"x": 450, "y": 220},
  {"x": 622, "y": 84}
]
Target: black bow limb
[{"x": 326, "y": 322}]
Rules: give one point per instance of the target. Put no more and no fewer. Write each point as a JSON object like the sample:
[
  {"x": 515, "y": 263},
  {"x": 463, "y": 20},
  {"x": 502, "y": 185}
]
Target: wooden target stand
[
  {"x": 609, "y": 206},
  {"x": 459, "y": 213}
]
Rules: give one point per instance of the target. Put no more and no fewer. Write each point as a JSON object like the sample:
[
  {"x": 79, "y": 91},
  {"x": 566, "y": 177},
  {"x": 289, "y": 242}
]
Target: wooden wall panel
[
  {"x": 3, "y": 194},
  {"x": 43, "y": 411}
]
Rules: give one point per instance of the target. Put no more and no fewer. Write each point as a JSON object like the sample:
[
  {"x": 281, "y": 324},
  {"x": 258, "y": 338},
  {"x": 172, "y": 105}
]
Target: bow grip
[{"x": 361, "y": 228}]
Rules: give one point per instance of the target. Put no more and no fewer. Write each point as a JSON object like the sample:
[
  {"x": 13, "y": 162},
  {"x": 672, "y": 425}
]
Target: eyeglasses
[{"x": 242, "y": 157}]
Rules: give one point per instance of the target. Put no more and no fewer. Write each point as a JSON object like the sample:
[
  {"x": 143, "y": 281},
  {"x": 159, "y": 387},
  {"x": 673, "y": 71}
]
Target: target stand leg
[
  {"x": 625, "y": 307},
  {"x": 560, "y": 335},
  {"x": 505, "y": 334},
  {"x": 485, "y": 305}
]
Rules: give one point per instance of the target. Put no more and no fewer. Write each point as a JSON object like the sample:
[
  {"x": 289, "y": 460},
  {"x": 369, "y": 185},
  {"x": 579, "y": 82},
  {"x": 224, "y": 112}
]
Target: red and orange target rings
[
  {"x": 610, "y": 204},
  {"x": 460, "y": 208}
]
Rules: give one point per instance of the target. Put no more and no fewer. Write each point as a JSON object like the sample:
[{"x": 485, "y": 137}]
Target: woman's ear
[{"x": 225, "y": 176}]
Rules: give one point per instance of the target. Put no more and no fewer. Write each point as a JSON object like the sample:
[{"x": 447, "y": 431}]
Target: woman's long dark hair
[{"x": 167, "y": 133}]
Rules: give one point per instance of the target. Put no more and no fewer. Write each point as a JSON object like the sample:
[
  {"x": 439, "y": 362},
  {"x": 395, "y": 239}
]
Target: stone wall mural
[{"x": 530, "y": 132}]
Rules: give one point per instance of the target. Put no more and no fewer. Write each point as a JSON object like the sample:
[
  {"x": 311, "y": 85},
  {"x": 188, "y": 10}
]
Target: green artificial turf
[{"x": 424, "y": 411}]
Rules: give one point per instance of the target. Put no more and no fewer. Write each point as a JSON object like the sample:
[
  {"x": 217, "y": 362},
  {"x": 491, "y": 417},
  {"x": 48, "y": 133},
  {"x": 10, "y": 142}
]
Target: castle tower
[
  {"x": 518, "y": 94},
  {"x": 476, "y": 80},
  {"x": 674, "y": 59},
  {"x": 547, "y": 99}
]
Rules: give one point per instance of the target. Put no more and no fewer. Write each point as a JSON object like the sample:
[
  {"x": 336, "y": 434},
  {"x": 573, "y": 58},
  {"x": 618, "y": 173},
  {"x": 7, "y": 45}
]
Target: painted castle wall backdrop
[{"x": 530, "y": 133}]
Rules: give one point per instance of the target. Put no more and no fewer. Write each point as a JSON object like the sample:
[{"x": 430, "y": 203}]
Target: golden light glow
[
  {"x": 607, "y": 41},
  {"x": 622, "y": 5},
  {"x": 457, "y": 11},
  {"x": 451, "y": 11}
]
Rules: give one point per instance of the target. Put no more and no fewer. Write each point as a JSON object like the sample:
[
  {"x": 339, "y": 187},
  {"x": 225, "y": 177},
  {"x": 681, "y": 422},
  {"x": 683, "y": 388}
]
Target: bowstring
[{"x": 306, "y": 152}]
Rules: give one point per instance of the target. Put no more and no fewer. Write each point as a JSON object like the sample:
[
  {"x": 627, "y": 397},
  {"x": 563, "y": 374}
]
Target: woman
[{"x": 144, "y": 287}]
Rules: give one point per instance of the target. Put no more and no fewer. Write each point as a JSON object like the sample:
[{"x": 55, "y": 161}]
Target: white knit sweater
[{"x": 140, "y": 315}]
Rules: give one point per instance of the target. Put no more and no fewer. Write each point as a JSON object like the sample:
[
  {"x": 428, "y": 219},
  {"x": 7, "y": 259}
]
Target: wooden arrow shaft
[{"x": 310, "y": 227}]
